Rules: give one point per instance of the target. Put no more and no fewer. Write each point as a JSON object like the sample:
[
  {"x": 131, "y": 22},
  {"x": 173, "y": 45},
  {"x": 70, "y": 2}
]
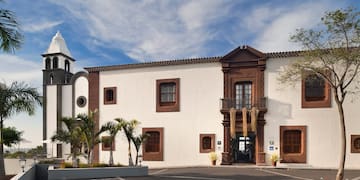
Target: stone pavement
[{"x": 246, "y": 173}]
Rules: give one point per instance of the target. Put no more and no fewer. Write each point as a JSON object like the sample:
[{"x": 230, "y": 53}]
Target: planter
[
  {"x": 92, "y": 173},
  {"x": 273, "y": 163},
  {"x": 213, "y": 162}
]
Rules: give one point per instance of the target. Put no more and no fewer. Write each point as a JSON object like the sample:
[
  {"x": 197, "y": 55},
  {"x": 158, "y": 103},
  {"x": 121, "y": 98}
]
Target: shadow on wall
[{"x": 278, "y": 110}]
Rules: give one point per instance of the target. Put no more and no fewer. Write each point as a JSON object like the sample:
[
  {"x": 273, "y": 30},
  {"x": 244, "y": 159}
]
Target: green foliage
[
  {"x": 332, "y": 51},
  {"x": 11, "y": 136},
  {"x": 10, "y": 33},
  {"x": 90, "y": 136}
]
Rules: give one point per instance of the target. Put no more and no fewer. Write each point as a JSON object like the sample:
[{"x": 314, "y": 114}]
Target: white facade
[
  {"x": 202, "y": 85},
  {"x": 200, "y": 91},
  {"x": 323, "y": 125}
]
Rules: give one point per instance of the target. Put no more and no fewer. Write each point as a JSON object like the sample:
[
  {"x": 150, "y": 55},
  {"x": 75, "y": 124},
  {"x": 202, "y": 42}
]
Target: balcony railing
[{"x": 228, "y": 103}]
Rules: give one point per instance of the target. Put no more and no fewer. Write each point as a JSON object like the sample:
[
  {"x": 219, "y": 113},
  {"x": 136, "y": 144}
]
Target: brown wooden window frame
[
  {"x": 154, "y": 156},
  {"x": 168, "y": 106},
  {"x": 353, "y": 139},
  {"x": 293, "y": 157},
  {"x": 114, "y": 95},
  {"x": 212, "y": 146},
  {"x": 103, "y": 145},
  {"x": 321, "y": 103}
]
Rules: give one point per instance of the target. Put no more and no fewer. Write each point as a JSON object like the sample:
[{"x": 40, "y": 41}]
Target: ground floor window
[
  {"x": 207, "y": 143},
  {"x": 355, "y": 143},
  {"x": 107, "y": 143},
  {"x": 293, "y": 144},
  {"x": 153, "y": 146}
]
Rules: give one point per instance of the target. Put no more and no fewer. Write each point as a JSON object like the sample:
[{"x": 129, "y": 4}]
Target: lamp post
[
  {"x": 22, "y": 162},
  {"x": 35, "y": 159}
]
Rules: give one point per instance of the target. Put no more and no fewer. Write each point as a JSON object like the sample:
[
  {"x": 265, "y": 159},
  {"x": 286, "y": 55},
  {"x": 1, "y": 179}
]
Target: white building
[{"x": 185, "y": 107}]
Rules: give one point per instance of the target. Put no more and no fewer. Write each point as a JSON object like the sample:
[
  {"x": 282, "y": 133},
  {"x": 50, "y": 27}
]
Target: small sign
[
  {"x": 271, "y": 148},
  {"x": 218, "y": 142}
]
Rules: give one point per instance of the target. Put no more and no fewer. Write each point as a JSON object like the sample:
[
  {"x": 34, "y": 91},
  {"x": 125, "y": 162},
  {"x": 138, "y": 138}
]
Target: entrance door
[{"x": 244, "y": 148}]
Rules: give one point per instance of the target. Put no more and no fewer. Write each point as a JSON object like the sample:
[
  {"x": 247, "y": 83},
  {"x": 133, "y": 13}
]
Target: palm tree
[
  {"x": 128, "y": 127},
  {"x": 73, "y": 135},
  {"x": 112, "y": 128},
  {"x": 11, "y": 136},
  {"x": 10, "y": 35},
  {"x": 16, "y": 98},
  {"x": 91, "y": 137},
  {"x": 137, "y": 141}
]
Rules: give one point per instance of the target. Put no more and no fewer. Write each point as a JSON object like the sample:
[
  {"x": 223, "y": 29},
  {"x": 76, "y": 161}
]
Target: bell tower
[
  {"x": 58, "y": 68},
  {"x": 58, "y": 64}
]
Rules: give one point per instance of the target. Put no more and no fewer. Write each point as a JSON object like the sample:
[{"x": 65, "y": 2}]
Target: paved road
[{"x": 235, "y": 173}]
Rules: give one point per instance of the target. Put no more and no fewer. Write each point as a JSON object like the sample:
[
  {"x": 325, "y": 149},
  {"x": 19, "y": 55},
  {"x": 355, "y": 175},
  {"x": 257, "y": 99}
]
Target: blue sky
[{"x": 106, "y": 32}]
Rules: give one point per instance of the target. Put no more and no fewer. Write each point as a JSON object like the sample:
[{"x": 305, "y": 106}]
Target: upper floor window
[
  {"x": 167, "y": 95},
  {"x": 110, "y": 95},
  {"x": 51, "y": 78},
  {"x": 315, "y": 92},
  {"x": 47, "y": 63},
  {"x": 243, "y": 95},
  {"x": 67, "y": 66},
  {"x": 314, "y": 88},
  {"x": 55, "y": 63}
]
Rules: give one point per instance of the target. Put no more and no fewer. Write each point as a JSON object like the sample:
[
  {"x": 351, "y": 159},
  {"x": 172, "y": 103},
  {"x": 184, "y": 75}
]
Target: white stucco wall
[
  {"x": 201, "y": 87},
  {"x": 51, "y": 109},
  {"x": 81, "y": 89},
  {"x": 323, "y": 138}
]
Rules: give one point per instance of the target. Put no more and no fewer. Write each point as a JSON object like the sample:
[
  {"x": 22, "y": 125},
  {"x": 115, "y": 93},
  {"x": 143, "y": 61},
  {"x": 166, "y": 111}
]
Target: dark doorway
[{"x": 244, "y": 148}]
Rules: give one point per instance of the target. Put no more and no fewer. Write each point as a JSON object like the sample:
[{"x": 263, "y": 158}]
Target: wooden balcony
[{"x": 227, "y": 103}]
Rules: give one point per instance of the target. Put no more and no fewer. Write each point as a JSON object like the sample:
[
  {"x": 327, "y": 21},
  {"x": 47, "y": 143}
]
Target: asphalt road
[{"x": 235, "y": 173}]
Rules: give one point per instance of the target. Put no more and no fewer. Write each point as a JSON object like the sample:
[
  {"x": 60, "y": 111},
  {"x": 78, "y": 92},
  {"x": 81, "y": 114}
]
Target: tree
[
  {"x": 16, "y": 98},
  {"x": 10, "y": 35},
  {"x": 71, "y": 135},
  {"x": 137, "y": 141},
  {"x": 91, "y": 137},
  {"x": 11, "y": 136},
  {"x": 128, "y": 128},
  {"x": 112, "y": 128},
  {"x": 332, "y": 53}
]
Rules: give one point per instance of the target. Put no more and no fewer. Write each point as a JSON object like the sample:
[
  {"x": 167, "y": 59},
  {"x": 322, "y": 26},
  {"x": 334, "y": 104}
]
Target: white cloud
[
  {"x": 279, "y": 26},
  {"x": 36, "y": 26},
  {"x": 15, "y": 68},
  {"x": 151, "y": 29}
]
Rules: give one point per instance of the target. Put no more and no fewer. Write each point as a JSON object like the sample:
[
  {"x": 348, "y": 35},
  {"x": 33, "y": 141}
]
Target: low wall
[
  {"x": 87, "y": 173},
  {"x": 12, "y": 166}
]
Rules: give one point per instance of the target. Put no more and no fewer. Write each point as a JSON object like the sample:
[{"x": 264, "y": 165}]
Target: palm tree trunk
[
  {"x": 340, "y": 173},
  {"x": 74, "y": 160},
  {"x": 129, "y": 152},
  {"x": 137, "y": 157},
  {"x": 111, "y": 159},
  {"x": 2, "y": 165}
]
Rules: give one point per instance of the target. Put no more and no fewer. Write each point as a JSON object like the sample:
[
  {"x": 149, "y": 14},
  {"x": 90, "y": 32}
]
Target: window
[
  {"x": 167, "y": 95},
  {"x": 67, "y": 66},
  {"x": 153, "y": 146},
  {"x": 293, "y": 144},
  {"x": 107, "y": 144},
  {"x": 243, "y": 95},
  {"x": 110, "y": 95},
  {"x": 207, "y": 143},
  {"x": 292, "y": 141},
  {"x": 47, "y": 63},
  {"x": 355, "y": 143},
  {"x": 81, "y": 101},
  {"x": 315, "y": 92},
  {"x": 55, "y": 63},
  {"x": 51, "y": 78}
]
